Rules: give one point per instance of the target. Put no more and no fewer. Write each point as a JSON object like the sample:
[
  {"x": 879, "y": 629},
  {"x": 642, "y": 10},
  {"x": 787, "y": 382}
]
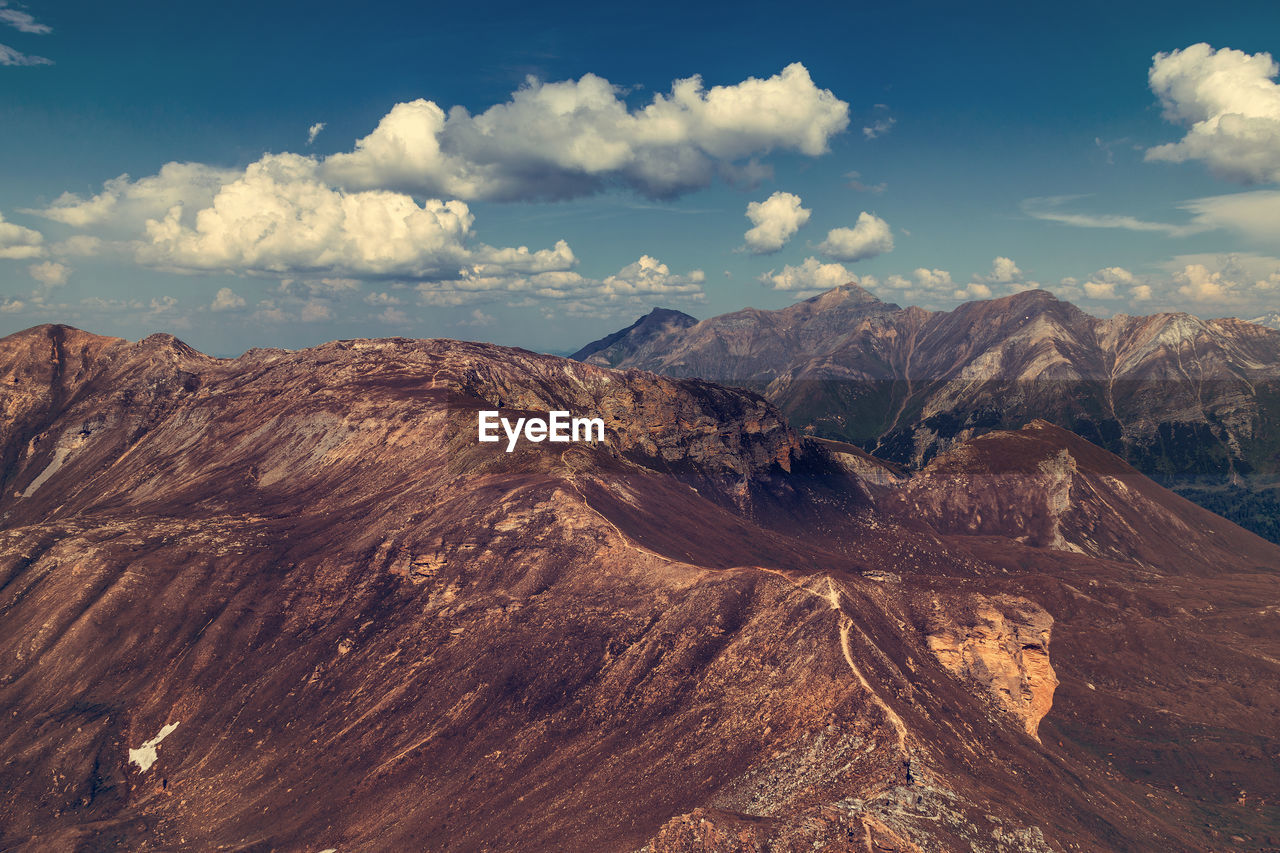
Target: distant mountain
[
  {"x": 288, "y": 601},
  {"x": 1271, "y": 320},
  {"x": 1186, "y": 400},
  {"x": 645, "y": 334}
]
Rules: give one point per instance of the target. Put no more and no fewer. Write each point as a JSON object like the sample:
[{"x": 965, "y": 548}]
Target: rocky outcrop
[{"x": 1001, "y": 646}]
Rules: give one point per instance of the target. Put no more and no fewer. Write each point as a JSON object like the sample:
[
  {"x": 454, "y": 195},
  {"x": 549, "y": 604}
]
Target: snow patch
[{"x": 145, "y": 755}]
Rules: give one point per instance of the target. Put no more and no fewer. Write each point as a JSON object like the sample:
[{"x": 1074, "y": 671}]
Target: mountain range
[
  {"x": 288, "y": 601},
  {"x": 1193, "y": 403}
]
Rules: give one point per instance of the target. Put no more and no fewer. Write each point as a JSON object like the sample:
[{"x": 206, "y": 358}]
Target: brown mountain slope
[{"x": 297, "y": 590}]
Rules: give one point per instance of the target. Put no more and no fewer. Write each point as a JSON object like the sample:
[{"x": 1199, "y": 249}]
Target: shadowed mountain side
[{"x": 357, "y": 627}]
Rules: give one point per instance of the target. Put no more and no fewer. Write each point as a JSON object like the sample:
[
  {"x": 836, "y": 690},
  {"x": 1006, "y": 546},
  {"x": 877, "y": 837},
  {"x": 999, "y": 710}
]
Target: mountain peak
[
  {"x": 841, "y": 293},
  {"x": 611, "y": 349}
]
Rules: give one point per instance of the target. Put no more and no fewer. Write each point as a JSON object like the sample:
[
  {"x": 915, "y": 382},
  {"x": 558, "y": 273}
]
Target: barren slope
[{"x": 357, "y": 628}]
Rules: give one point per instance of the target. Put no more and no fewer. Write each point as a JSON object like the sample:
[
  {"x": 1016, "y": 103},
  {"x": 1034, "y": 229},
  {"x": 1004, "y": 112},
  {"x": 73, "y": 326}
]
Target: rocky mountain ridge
[{"x": 1188, "y": 401}]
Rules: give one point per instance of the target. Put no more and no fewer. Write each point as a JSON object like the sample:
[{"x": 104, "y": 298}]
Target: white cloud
[
  {"x": 572, "y": 138},
  {"x": 314, "y": 131},
  {"x": 650, "y": 277},
  {"x": 1230, "y": 105},
  {"x": 9, "y": 56},
  {"x": 880, "y": 127},
  {"x": 17, "y": 242},
  {"x": 1198, "y": 283},
  {"x": 128, "y": 203},
  {"x": 636, "y": 284},
  {"x": 50, "y": 273},
  {"x": 479, "y": 318},
  {"x": 1004, "y": 271},
  {"x": 11, "y": 306},
  {"x": 776, "y": 220},
  {"x": 1255, "y": 214},
  {"x": 870, "y": 236},
  {"x": 812, "y": 276},
  {"x": 22, "y": 21},
  {"x": 383, "y": 298},
  {"x": 227, "y": 300},
  {"x": 314, "y": 311},
  {"x": 393, "y": 317},
  {"x": 280, "y": 218},
  {"x": 1048, "y": 209},
  {"x": 1005, "y": 276},
  {"x": 1103, "y": 283},
  {"x": 925, "y": 284}
]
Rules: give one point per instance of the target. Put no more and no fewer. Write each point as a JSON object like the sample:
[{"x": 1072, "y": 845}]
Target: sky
[{"x": 283, "y": 174}]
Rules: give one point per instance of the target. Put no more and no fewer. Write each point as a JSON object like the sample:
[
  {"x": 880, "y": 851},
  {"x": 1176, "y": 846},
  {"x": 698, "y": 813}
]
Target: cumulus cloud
[
  {"x": 50, "y": 273},
  {"x": 923, "y": 284},
  {"x": 129, "y": 203},
  {"x": 1005, "y": 277},
  {"x": 776, "y": 220},
  {"x": 812, "y": 276},
  {"x": 17, "y": 242},
  {"x": 1103, "y": 283},
  {"x": 278, "y": 217},
  {"x": 572, "y": 138},
  {"x": 314, "y": 131},
  {"x": 1004, "y": 270},
  {"x": 869, "y": 236},
  {"x": 11, "y": 306},
  {"x": 1198, "y": 283},
  {"x": 227, "y": 300},
  {"x": 650, "y": 277},
  {"x": 1230, "y": 104}
]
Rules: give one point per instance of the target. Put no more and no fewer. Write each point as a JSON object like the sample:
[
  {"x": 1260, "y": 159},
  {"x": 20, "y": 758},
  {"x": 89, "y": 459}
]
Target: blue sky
[{"x": 931, "y": 152}]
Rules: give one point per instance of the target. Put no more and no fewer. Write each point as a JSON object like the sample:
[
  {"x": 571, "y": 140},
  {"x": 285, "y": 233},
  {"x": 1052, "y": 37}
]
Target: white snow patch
[{"x": 145, "y": 755}]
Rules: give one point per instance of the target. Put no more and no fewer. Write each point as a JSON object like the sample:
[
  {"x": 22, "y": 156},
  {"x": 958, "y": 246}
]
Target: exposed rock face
[
  {"x": 297, "y": 589},
  {"x": 1175, "y": 395},
  {"x": 1001, "y": 644}
]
